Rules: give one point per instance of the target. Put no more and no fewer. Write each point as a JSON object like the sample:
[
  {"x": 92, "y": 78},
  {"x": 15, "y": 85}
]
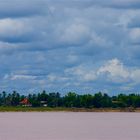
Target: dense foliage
[{"x": 98, "y": 100}]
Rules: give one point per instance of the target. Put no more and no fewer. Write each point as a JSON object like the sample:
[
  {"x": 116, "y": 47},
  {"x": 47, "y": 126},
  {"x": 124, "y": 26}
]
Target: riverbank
[{"x": 59, "y": 109}]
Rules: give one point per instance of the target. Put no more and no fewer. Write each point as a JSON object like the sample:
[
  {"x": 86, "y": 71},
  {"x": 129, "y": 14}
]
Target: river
[{"x": 69, "y": 126}]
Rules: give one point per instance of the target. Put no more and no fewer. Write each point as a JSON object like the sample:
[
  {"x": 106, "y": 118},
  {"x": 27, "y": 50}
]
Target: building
[
  {"x": 25, "y": 102},
  {"x": 43, "y": 103}
]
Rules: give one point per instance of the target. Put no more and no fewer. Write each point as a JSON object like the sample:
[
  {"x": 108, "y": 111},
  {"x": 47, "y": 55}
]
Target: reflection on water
[{"x": 69, "y": 126}]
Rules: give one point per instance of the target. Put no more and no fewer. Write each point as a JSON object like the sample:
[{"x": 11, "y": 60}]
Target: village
[{"x": 25, "y": 103}]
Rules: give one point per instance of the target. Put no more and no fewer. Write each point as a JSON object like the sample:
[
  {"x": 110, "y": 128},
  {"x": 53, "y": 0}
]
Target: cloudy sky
[{"x": 70, "y": 45}]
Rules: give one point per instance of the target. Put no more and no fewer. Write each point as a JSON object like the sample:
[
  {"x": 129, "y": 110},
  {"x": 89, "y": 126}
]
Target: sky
[{"x": 84, "y": 46}]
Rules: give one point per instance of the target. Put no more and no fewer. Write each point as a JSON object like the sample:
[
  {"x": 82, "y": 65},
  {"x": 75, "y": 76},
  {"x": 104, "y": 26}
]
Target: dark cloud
[
  {"x": 117, "y": 4},
  {"x": 18, "y": 8},
  {"x": 76, "y": 45},
  {"x": 135, "y": 23}
]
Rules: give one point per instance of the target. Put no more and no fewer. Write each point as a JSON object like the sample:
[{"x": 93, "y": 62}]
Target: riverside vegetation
[{"x": 69, "y": 102}]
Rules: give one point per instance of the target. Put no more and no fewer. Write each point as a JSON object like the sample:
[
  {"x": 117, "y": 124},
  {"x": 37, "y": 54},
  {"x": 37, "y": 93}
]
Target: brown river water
[{"x": 69, "y": 126}]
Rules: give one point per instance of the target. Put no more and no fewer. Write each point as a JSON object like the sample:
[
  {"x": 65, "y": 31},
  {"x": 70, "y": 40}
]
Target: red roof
[{"x": 25, "y": 101}]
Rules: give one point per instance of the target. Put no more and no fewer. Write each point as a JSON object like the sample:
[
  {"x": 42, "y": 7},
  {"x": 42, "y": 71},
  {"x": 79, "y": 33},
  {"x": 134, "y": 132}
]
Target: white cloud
[
  {"x": 72, "y": 58},
  {"x": 115, "y": 70},
  {"x": 13, "y": 28},
  {"x": 82, "y": 73},
  {"x": 135, "y": 75},
  {"x": 135, "y": 35},
  {"x": 112, "y": 70},
  {"x": 56, "y": 78},
  {"x": 19, "y": 77},
  {"x": 98, "y": 40},
  {"x": 75, "y": 33}
]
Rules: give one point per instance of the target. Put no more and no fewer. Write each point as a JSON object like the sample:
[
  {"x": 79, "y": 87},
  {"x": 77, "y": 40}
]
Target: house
[
  {"x": 43, "y": 103},
  {"x": 25, "y": 102}
]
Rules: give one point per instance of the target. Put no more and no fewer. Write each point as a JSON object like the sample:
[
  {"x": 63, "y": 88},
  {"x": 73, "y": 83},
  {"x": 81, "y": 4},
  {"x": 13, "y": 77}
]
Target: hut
[
  {"x": 25, "y": 102},
  {"x": 43, "y": 103}
]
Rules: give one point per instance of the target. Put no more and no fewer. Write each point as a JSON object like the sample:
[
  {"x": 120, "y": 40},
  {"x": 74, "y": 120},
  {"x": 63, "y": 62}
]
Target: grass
[{"x": 57, "y": 109}]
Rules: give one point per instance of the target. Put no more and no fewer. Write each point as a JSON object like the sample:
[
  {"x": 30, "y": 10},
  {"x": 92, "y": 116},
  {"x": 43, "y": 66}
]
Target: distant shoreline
[{"x": 61, "y": 109}]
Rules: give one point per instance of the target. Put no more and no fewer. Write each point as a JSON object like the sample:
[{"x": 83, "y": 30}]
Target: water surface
[{"x": 69, "y": 126}]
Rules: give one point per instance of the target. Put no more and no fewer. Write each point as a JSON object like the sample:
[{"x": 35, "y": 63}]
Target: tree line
[{"x": 71, "y": 99}]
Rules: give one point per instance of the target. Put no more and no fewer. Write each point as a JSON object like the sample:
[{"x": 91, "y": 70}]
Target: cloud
[
  {"x": 84, "y": 46},
  {"x": 135, "y": 35},
  {"x": 14, "y": 30},
  {"x": 135, "y": 75},
  {"x": 112, "y": 70},
  {"x": 119, "y": 4},
  {"x": 75, "y": 34},
  {"x": 25, "y": 8},
  {"x": 81, "y": 73},
  {"x": 115, "y": 71},
  {"x": 56, "y": 78},
  {"x": 135, "y": 21},
  {"x": 19, "y": 77}
]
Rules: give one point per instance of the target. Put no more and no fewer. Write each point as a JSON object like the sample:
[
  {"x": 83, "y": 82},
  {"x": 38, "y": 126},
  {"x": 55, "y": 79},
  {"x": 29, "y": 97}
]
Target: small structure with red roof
[{"x": 25, "y": 102}]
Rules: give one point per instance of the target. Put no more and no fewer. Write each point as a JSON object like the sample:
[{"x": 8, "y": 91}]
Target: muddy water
[{"x": 69, "y": 126}]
